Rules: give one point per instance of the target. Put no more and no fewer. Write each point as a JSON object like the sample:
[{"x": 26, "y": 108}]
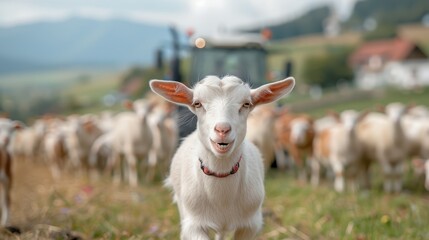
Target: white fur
[
  {"x": 132, "y": 139},
  {"x": 383, "y": 141},
  {"x": 416, "y": 130}
]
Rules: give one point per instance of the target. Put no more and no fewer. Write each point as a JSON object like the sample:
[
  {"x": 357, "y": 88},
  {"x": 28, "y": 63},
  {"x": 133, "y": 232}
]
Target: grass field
[{"x": 75, "y": 206}]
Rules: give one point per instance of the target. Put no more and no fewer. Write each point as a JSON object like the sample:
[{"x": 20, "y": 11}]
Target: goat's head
[
  {"x": 7, "y": 127},
  {"x": 350, "y": 118},
  {"x": 141, "y": 107},
  {"x": 222, "y": 106},
  {"x": 396, "y": 110},
  {"x": 302, "y": 130}
]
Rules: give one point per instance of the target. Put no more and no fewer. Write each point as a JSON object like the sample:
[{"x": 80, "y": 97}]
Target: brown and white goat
[
  {"x": 295, "y": 133},
  {"x": 7, "y": 128},
  {"x": 260, "y": 131},
  {"x": 338, "y": 148}
]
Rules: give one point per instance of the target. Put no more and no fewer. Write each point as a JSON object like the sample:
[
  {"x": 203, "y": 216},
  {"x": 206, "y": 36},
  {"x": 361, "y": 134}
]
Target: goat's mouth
[{"x": 221, "y": 147}]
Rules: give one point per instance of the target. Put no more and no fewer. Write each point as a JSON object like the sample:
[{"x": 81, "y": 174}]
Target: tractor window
[{"x": 245, "y": 63}]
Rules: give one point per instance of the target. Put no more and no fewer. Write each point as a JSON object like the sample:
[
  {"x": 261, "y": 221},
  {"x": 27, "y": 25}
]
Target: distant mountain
[
  {"x": 79, "y": 42},
  {"x": 309, "y": 23},
  {"x": 388, "y": 13}
]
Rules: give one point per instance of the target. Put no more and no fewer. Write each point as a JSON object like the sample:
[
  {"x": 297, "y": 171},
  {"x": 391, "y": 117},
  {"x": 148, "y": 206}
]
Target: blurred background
[
  {"x": 82, "y": 60},
  {"x": 85, "y": 56}
]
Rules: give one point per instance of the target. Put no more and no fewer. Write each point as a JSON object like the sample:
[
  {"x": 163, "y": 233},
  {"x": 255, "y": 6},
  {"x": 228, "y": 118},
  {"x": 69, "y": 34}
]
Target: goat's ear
[
  {"x": 175, "y": 92},
  {"x": 128, "y": 104},
  {"x": 332, "y": 113},
  {"x": 272, "y": 91},
  {"x": 362, "y": 115},
  {"x": 18, "y": 125}
]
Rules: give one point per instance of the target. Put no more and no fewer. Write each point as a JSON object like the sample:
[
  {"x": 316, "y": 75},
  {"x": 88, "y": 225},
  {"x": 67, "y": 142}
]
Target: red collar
[{"x": 207, "y": 171}]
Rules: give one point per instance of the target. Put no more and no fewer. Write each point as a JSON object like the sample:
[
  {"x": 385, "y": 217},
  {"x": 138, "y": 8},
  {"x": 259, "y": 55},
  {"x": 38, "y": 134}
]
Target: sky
[{"x": 202, "y": 16}]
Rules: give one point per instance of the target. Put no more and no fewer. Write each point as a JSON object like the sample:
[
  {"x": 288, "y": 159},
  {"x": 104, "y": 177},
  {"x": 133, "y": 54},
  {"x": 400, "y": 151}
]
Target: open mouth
[{"x": 221, "y": 147}]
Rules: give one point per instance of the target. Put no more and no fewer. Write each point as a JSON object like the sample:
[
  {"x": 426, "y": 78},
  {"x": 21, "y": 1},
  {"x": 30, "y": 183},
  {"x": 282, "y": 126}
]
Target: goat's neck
[
  {"x": 351, "y": 136},
  {"x": 398, "y": 133},
  {"x": 219, "y": 164}
]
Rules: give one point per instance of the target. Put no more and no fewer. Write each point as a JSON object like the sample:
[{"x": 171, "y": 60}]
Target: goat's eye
[
  {"x": 197, "y": 104},
  {"x": 247, "y": 105}
]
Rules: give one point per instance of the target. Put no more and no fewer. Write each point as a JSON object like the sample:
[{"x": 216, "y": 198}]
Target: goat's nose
[{"x": 222, "y": 128}]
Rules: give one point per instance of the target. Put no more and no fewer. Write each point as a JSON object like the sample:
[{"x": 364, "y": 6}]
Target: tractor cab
[{"x": 240, "y": 55}]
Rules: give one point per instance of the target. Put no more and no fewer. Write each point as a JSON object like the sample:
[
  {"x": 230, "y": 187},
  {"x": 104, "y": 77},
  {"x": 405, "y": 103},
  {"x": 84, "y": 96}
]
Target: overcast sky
[{"x": 204, "y": 16}]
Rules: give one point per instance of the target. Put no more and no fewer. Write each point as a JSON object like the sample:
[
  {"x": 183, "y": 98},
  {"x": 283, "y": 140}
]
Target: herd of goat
[{"x": 138, "y": 145}]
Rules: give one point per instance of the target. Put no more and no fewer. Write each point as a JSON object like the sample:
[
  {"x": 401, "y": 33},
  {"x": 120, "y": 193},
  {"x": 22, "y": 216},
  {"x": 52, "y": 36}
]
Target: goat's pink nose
[{"x": 222, "y": 128}]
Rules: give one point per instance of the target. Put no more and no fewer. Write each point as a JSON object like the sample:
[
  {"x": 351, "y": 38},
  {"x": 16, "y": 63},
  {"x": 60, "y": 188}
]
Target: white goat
[
  {"x": 132, "y": 139},
  {"x": 216, "y": 174},
  {"x": 80, "y": 134},
  {"x": 383, "y": 141}
]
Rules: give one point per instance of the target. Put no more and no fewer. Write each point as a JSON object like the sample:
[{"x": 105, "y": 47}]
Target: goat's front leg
[
  {"x": 220, "y": 236},
  {"x": 132, "y": 169},
  {"x": 250, "y": 231},
  {"x": 151, "y": 167},
  {"x": 338, "y": 168},
  {"x": 315, "y": 171},
  {"x": 282, "y": 162},
  {"x": 245, "y": 233},
  {"x": 387, "y": 169},
  {"x": 114, "y": 167},
  {"x": 397, "y": 173},
  {"x": 4, "y": 201},
  {"x": 193, "y": 231},
  {"x": 299, "y": 163}
]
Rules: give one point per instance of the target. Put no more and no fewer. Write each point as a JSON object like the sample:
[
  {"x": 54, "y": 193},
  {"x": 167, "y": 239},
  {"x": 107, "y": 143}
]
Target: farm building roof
[{"x": 388, "y": 50}]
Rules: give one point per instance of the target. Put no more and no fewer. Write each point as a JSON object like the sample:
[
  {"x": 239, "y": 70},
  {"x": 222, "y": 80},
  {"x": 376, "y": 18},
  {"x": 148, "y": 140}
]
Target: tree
[{"x": 329, "y": 69}]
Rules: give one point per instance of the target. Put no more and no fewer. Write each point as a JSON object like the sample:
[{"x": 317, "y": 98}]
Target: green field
[
  {"x": 355, "y": 99},
  {"x": 25, "y": 95}
]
